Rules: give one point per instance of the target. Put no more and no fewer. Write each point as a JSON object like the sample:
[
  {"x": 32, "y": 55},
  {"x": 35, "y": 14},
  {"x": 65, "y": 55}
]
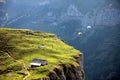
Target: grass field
[{"x": 26, "y": 45}]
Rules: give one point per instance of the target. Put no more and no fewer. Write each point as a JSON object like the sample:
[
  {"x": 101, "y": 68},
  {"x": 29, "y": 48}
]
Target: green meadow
[{"x": 18, "y": 47}]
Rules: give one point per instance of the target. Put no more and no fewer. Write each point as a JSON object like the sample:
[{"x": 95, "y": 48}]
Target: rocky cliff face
[{"x": 67, "y": 72}]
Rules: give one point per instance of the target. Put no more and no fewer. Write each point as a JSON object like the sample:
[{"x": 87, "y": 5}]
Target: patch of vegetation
[
  {"x": 24, "y": 45},
  {"x": 5, "y": 40}
]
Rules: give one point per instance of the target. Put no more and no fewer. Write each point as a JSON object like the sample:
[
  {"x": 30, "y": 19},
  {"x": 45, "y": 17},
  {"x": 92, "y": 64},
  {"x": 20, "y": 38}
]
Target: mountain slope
[
  {"x": 25, "y": 46},
  {"x": 97, "y": 20}
]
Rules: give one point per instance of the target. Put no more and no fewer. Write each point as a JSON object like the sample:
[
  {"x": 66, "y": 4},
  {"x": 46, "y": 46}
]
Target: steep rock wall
[{"x": 67, "y": 72}]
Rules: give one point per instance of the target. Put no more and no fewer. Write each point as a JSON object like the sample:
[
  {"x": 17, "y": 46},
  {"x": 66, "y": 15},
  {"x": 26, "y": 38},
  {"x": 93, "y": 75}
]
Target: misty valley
[{"x": 92, "y": 27}]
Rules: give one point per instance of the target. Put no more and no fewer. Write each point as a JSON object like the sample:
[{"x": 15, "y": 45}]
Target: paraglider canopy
[
  {"x": 88, "y": 27},
  {"x": 79, "y": 33}
]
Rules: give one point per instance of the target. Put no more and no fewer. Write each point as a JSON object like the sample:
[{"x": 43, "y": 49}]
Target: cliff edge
[
  {"x": 19, "y": 47},
  {"x": 67, "y": 72}
]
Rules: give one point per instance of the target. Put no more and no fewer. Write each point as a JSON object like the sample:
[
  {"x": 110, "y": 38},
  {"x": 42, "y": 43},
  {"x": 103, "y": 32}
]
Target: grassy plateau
[{"x": 18, "y": 47}]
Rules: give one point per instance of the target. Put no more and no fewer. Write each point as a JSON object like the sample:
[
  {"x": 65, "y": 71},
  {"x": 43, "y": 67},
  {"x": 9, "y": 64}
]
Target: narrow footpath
[{"x": 24, "y": 65}]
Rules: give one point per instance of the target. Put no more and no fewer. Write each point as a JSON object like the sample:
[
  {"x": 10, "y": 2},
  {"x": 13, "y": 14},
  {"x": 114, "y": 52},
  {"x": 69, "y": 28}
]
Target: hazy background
[{"x": 92, "y": 26}]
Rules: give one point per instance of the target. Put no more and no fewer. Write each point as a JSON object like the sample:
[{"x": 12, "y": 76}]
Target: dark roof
[{"x": 38, "y": 60}]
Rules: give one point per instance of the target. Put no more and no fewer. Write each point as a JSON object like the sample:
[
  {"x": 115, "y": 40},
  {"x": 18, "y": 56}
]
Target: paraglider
[
  {"x": 88, "y": 27},
  {"x": 79, "y": 33}
]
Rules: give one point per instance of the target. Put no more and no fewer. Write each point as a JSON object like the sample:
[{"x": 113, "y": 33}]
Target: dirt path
[
  {"x": 24, "y": 65},
  {"x": 28, "y": 73}
]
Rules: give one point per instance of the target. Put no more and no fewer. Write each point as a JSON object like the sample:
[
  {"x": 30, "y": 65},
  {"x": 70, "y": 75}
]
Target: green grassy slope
[{"x": 26, "y": 47}]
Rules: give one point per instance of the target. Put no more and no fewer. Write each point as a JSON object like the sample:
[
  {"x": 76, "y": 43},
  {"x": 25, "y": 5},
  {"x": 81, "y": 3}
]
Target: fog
[{"x": 88, "y": 25}]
